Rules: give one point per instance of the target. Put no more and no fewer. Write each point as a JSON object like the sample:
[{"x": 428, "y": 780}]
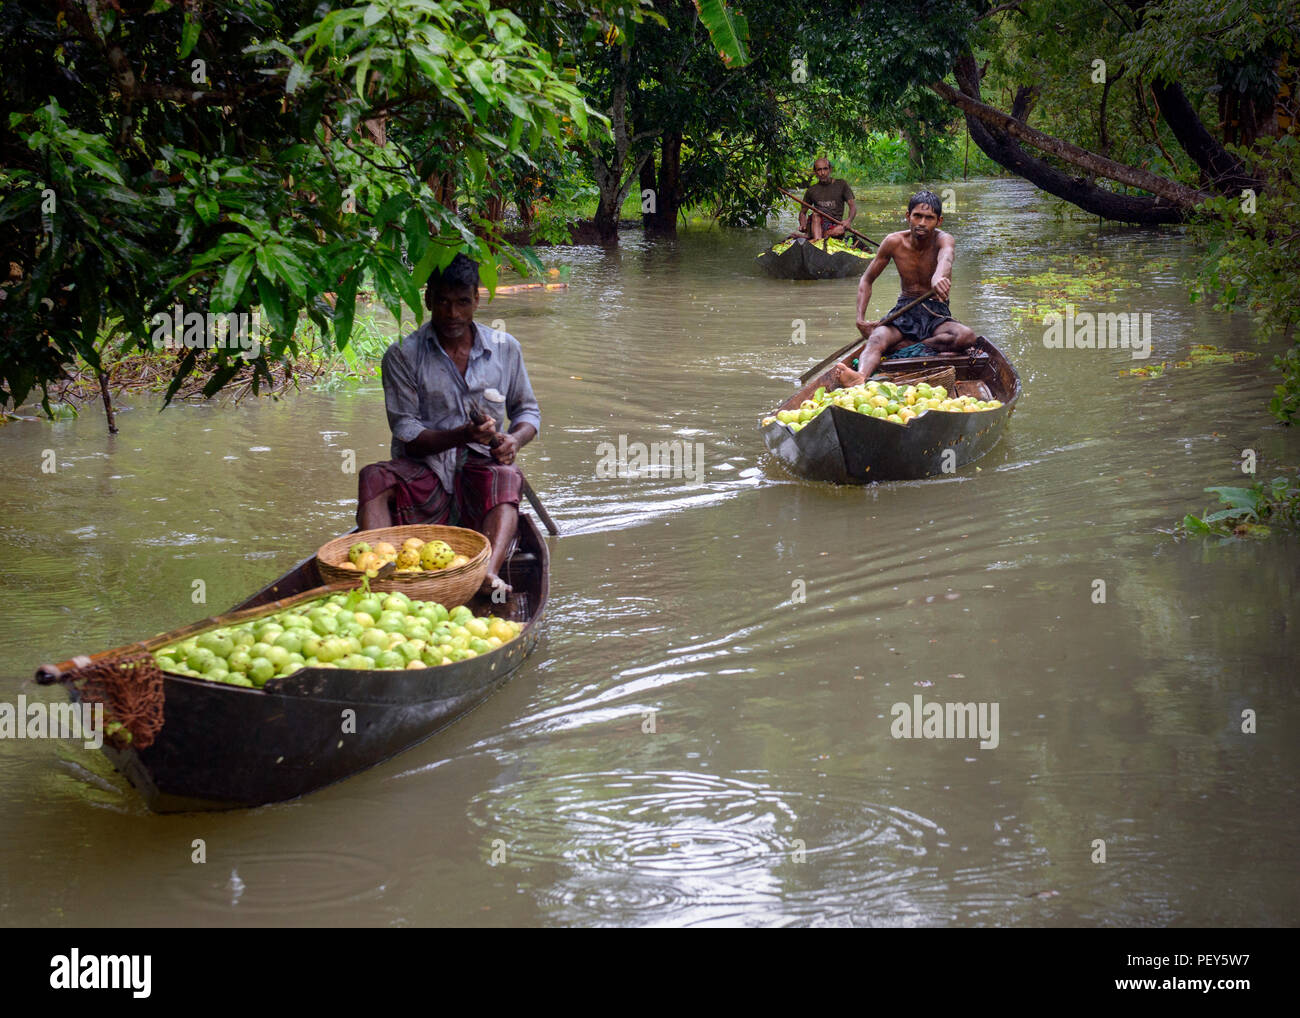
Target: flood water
[{"x": 704, "y": 735}]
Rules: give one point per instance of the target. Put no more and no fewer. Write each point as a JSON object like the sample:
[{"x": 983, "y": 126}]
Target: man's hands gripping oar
[
  {"x": 822, "y": 365},
  {"x": 480, "y": 417}
]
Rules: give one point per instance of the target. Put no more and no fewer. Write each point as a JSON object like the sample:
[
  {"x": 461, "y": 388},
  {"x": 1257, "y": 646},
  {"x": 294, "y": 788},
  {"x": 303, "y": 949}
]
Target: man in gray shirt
[
  {"x": 445, "y": 467},
  {"x": 828, "y": 196}
]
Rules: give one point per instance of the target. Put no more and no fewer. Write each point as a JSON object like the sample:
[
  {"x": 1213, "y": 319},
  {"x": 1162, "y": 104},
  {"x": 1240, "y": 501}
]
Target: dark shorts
[
  {"x": 419, "y": 497},
  {"x": 919, "y": 323}
]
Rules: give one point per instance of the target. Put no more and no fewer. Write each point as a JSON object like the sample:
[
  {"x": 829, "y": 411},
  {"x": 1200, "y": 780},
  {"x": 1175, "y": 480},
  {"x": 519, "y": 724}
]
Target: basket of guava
[{"x": 434, "y": 563}]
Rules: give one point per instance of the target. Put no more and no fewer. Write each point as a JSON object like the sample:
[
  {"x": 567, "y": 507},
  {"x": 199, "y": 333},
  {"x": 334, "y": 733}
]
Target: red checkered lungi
[{"x": 482, "y": 484}]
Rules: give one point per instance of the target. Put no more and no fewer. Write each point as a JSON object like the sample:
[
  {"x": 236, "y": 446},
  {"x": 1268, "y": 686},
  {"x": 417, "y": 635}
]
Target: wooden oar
[
  {"x": 479, "y": 415},
  {"x": 811, "y": 372},
  {"x": 824, "y": 215}
]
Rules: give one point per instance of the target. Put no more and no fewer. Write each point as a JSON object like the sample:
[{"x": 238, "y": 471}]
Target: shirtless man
[{"x": 923, "y": 254}]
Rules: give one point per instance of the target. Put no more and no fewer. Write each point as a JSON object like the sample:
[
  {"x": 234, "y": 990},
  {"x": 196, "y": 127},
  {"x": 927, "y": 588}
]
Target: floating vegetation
[
  {"x": 1148, "y": 371},
  {"x": 1201, "y": 353},
  {"x": 1078, "y": 280},
  {"x": 1251, "y": 512}
]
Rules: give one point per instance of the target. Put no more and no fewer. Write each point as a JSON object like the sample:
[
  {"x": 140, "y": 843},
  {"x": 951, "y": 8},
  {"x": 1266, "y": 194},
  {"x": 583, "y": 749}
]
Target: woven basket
[
  {"x": 449, "y": 587},
  {"x": 945, "y": 376}
]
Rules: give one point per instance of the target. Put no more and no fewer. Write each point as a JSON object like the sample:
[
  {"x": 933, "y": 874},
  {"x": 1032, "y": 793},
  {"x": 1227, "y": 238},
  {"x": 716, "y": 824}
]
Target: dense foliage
[{"x": 221, "y": 155}]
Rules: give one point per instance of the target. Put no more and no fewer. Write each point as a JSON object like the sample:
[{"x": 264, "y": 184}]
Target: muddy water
[{"x": 705, "y": 735}]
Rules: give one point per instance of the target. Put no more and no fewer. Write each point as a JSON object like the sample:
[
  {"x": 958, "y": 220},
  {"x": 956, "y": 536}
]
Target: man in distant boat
[
  {"x": 829, "y": 198},
  {"x": 449, "y": 464},
  {"x": 923, "y": 254}
]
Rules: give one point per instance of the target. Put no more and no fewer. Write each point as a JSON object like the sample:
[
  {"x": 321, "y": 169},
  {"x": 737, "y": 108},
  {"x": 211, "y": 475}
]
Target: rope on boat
[{"x": 131, "y": 689}]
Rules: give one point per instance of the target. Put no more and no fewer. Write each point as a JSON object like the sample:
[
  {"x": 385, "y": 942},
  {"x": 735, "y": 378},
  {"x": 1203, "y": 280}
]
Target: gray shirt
[{"x": 423, "y": 389}]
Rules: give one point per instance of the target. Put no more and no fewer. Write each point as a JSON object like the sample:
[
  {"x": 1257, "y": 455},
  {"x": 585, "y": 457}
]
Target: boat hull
[
  {"x": 844, "y": 447},
  {"x": 807, "y": 261},
  {"x": 227, "y": 747}
]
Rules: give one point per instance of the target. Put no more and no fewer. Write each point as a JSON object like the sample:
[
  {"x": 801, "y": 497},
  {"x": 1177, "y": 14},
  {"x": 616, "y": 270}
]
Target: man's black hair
[
  {"x": 461, "y": 273},
  {"x": 925, "y": 198}
]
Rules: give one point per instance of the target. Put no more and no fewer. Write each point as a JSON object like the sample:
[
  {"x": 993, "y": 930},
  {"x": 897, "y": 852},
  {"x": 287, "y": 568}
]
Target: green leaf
[
  {"x": 297, "y": 75},
  {"x": 729, "y": 31},
  {"x": 479, "y": 73},
  {"x": 221, "y": 376},
  {"x": 276, "y": 260},
  {"x": 516, "y": 129},
  {"x": 182, "y": 372},
  {"x": 403, "y": 282},
  {"x": 578, "y": 111},
  {"x": 100, "y": 166},
  {"x": 189, "y": 35},
  {"x": 345, "y": 308},
  {"x": 1193, "y": 525},
  {"x": 269, "y": 297},
  {"x": 417, "y": 235},
  {"x": 426, "y": 265},
  {"x": 1238, "y": 498},
  {"x": 477, "y": 164},
  {"x": 386, "y": 286},
  {"x": 232, "y": 283},
  {"x": 205, "y": 204}
]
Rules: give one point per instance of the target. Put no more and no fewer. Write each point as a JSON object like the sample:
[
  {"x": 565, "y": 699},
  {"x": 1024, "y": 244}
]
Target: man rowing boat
[
  {"x": 828, "y": 197},
  {"x": 923, "y": 254},
  {"x": 445, "y": 466}
]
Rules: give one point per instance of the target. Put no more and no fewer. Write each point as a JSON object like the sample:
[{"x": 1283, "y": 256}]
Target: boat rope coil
[{"x": 131, "y": 689}]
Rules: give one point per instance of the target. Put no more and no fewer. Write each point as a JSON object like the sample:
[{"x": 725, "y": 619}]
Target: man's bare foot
[
  {"x": 841, "y": 376},
  {"x": 495, "y": 588}
]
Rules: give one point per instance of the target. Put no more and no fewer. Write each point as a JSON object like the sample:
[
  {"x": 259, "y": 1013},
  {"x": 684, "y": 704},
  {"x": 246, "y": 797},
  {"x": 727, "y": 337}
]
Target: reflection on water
[{"x": 704, "y": 736}]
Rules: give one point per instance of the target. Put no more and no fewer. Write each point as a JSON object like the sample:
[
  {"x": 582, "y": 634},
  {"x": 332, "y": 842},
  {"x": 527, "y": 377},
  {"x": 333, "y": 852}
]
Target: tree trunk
[
  {"x": 102, "y": 377},
  {"x": 668, "y": 190},
  {"x": 615, "y": 177},
  {"x": 606, "y": 220},
  {"x": 443, "y": 186},
  {"x": 649, "y": 183},
  {"x": 996, "y": 134},
  {"x": 914, "y": 152},
  {"x": 1219, "y": 168}
]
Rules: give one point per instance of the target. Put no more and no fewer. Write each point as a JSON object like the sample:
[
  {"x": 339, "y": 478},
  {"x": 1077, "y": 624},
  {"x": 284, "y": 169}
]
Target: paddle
[
  {"x": 832, "y": 219},
  {"x": 812, "y": 372},
  {"x": 478, "y": 415}
]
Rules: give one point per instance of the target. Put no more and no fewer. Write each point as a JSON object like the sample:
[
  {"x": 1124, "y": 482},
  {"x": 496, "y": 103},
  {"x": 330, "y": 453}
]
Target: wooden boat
[
  {"x": 845, "y": 447},
  {"x": 226, "y": 747},
  {"x": 806, "y": 260}
]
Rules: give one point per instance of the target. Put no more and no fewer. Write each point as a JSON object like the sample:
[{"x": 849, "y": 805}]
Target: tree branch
[
  {"x": 999, "y": 9},
  {"x": 1219, "y": 168},
  {"x": 1007, "y": 152},
  {"x": 1179, "y": 194}
]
